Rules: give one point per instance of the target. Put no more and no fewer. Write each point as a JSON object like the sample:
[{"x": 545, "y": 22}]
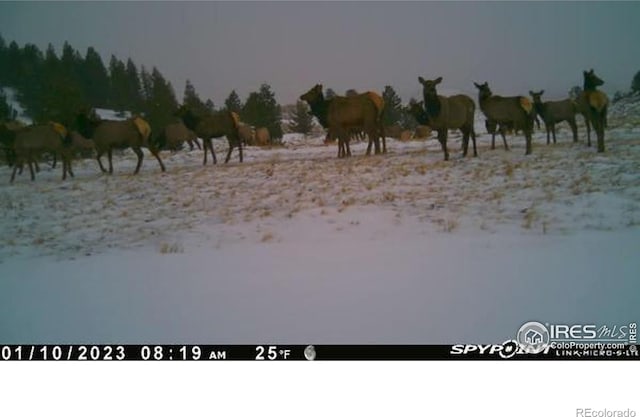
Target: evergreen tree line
[{"x": 56, "y": 87}]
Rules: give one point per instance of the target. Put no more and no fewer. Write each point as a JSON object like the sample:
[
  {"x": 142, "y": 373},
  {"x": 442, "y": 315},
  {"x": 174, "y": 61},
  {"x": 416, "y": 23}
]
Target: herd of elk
[{"x": 342, "y": 117}]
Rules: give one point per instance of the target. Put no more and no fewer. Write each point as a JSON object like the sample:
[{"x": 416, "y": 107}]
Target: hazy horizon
[{"x": 221, "y": 46}]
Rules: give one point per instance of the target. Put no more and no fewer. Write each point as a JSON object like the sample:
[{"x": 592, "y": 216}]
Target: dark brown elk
[
  {"x": 516, "y": 111},
  {"x": 209, "y": 126},
  {"x": 7, "y": 137},
  {"x": 174, "y": 135},
  {"x": 554, "y": 112},
  {"x": 493, "y": 128},
  {"x": 107, "y": 135},
  {"x": 593, "y": 105},
  {"x": 33, "y": 141},
  {"x": 444, "y": 113},
  {"x": 81, "y": 145},
  {"x": 361, "y": 112}
]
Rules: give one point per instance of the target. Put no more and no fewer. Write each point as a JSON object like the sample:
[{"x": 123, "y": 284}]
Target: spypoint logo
[{"x": 533, "y": 337}]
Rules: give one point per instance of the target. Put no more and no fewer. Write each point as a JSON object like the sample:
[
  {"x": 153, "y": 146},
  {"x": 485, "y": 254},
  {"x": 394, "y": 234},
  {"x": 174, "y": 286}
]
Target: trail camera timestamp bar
[{"x": 267, "y": 353}]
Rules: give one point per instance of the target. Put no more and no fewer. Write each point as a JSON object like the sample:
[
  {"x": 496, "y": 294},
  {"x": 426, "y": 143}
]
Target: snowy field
[{"x": 296, "y": 246}]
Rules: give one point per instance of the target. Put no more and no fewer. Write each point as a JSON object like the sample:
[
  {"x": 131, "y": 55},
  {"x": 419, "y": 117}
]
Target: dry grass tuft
[{"x": 166, "y": 248}]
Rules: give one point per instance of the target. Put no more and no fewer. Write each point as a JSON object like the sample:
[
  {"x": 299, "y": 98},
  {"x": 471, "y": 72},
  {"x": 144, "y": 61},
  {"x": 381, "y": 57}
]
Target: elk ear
[
  {"x": 541, "y": 92},
  {"x": 437, "y": 80},
  {"x": 421, "y": 80},
  {"x": 531, "y": 93},
  {"x": 476, "y": 84}
]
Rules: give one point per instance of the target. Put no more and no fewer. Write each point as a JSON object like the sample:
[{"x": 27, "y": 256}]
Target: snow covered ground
[{"x": 297, "y": 246}]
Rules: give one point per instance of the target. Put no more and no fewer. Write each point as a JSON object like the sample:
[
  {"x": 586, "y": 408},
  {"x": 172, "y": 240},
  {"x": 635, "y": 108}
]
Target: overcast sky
[{"x": 220, "y": 46}]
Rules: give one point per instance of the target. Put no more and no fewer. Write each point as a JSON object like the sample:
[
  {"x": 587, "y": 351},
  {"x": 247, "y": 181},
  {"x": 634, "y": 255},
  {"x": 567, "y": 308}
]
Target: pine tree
[
  {"x": 162, "y": 103},
  {"x": 210, "y": 106},
  {"x": 262, "y": 110},
  {"x": 6, "y": 112},
  {"x": 13, "y": 57},
  {"x": 134, "y": 87},
  {"x": 575, "y": 92},
  {"x": 392, "y": 106},
  {"x": 95, "y": 79},
  {"x": 192, "y": 100},
  {"x": 119, "y": 85},
  {"x": 407, "y": 121},
  {"x": 302, "y": 119},
  {"x": 635, "y": 83},
  {"x": 233, "y": 103},
  {"x": 64, "y": 95},
  {"x": 147, "y": 86},
  {"x": 4, "y": 62},
  {"x": 28, "y": 81}
]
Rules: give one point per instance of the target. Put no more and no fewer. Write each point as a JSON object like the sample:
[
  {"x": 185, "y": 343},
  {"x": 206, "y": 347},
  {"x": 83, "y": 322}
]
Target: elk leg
[
  {"x": 226, "y": 160},
  {"x": 574, "y": 129},
  {"x": 55, "y": 160},
  {"x": 548, "y": 132},
  {"x": 13, "y": 174},
  {"x": 588, "y": 123},
  {"x": 69, "y": 167},
  {"x": 473, "y": 137},
  {"x": 465, "y": 142},
  {"x": 213, "y": 153},
  {"x": 205, "y": 145},
  {"x": 98, "y": 155},
  {"x": 553, "y": 132},
  {"x": 140, "y": 155},
  {"x": 240, "y": 148},
  {"x": 442, "y": 138},
  {"x": 527, "y": 135},
  {"x": 493, "y": 140},
  {"x": 33, "y": 176},
  {"x": 37, "y": 166},
  {"x": 504, "y": 138},
  {"x": 598, "y": 126},
  {"x": 157, "y": 155},
  {"x": 383, "y": 135},
  {"x": 109, "y": 157}
]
